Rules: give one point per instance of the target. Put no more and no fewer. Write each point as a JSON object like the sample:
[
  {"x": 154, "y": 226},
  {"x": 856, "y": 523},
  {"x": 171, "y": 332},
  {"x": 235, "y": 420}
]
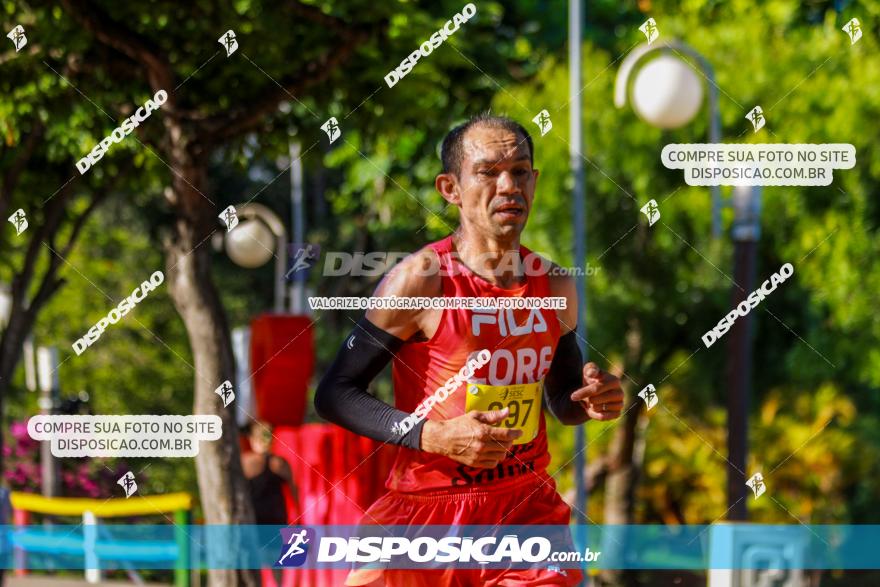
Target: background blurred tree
[{"x": 41, "y": 133}]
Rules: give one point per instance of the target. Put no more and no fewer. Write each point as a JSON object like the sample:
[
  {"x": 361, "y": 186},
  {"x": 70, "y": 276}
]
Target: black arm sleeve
[
  {"x": 342, "y": 396},
  {"x": 563, "y": 378}
]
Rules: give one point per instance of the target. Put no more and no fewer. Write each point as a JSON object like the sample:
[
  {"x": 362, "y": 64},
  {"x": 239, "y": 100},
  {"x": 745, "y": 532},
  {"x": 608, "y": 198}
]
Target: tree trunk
[
  {"x": 623, "y": 469},
  {"x": 620, "y": 484},
  {"x": 223, "y": 489}
]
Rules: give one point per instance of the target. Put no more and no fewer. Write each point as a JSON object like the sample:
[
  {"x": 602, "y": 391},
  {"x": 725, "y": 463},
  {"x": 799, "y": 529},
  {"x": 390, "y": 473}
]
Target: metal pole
[
  {"x": 276, "y": 226},
  {"x": 47, "y": 377},
  {"x": 714, "y": 137},
  {"x": 244, "y": 401},
  {"x": 580, "y": 229},
  {"x": 746, "y": 233},
  {"x": 297, "y": 288},
  {"x": 280, "y": 269},
  {"x": 30, "y": 364}
]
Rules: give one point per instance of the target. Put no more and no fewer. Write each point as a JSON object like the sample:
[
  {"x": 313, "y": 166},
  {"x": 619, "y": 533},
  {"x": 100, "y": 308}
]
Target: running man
[
  {"x": 480, "y": 457},
  {"x": 296, "y": 540}
]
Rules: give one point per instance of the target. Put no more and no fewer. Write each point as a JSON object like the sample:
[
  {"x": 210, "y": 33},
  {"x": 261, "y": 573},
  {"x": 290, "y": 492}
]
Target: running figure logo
[
  {"x": 295, "y": 546},
  {"x": 19, "y": 221},
  {"x": 648, "y": 394},
  {"x": 303, "y": 256},
  {"x": 651, "y": 211},
  {"x": 331, "y": 127},
  {"x": 128, "y": 483},
  {"x": 756, "y": 117},
  {"x": 225, "y": 392},
  {"x": 543, "y": 121},
  {"x": 229, "y": 217},
  {"x": 854, "y": 29},
  {"x": 757, "y": 485},
  {"x": 649, "y": 27},
  {"x": 229, "y": 42},
  {"x": 18, "y": 39}
]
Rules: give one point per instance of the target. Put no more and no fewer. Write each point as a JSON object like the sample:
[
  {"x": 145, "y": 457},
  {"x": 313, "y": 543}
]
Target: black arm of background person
[
  {"x": 563, "y": 378},
  {"x": 342, "y": 396}
]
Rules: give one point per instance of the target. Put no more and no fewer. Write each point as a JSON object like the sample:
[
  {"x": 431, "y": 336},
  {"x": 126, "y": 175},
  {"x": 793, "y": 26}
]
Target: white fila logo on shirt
[{"x": 506, "y": 322}]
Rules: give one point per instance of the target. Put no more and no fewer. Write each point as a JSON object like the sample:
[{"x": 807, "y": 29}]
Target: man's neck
[{"x": 496, "y": 260}]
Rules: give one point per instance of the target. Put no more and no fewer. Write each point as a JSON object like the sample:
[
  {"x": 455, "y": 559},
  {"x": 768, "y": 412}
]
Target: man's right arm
[{"x": 342, "y": 396}]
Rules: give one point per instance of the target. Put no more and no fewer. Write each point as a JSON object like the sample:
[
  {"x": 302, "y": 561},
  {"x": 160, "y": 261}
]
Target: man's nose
[{"x": 506, "y": 182}]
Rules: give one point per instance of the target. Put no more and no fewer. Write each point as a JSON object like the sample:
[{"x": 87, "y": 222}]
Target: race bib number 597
[{"x": 522, "y": 401}]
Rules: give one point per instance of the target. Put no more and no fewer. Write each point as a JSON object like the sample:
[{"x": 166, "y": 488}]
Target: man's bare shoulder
[
  {"x": 417, "y": 275},
  {"x": 563, "y": 285}
]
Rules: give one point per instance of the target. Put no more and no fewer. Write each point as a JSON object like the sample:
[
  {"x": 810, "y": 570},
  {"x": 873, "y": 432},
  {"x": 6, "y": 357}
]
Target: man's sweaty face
[{"x": 497, "y": 180}]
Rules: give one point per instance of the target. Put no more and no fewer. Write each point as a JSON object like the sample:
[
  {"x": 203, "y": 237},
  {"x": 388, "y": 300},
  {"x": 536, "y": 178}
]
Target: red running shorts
[{"x": 532, "y": 503}]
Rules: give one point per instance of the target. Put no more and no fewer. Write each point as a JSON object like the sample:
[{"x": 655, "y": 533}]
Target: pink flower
[{"x": 19, "y": 430}]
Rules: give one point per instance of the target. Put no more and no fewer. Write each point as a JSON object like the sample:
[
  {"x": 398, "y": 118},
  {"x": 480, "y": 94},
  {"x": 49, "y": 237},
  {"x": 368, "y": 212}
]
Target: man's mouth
[{"x": 510, "y": 211}]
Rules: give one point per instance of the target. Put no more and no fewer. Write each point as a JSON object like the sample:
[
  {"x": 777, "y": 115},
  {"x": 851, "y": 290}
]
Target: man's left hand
[{"x": 601, "y": 396}]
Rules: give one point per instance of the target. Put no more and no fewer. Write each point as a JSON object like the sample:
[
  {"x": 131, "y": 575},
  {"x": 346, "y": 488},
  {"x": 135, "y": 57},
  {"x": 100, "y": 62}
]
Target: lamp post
[
  {"x": 5, "y": 304},
  {"x": 259, "y": 235},
  {"x": 297, "y": 302},
  {"x": 49, "y": 401},
  {"x": 668, "y": 94},
  {"x": 580, "y": 231},
  {"x": 746, "y": 231}
]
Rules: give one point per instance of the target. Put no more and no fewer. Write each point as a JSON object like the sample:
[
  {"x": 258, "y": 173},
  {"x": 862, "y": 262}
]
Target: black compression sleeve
[
  {"x": 563, "y": 378},
  {"x": 342, "y": 395}
]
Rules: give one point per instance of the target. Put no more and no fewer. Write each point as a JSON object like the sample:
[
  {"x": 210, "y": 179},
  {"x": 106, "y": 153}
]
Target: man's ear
[{"x": 447, "y": 185}]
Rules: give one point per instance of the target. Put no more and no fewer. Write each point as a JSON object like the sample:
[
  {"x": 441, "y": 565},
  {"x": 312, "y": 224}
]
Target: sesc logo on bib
[
  {"x": 523, "y": 402},
  {"x": 295, "y": 547}
]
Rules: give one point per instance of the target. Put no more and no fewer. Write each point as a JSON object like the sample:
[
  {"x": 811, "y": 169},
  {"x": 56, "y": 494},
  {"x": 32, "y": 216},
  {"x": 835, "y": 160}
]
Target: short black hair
[{"x": 452, "y": 152}]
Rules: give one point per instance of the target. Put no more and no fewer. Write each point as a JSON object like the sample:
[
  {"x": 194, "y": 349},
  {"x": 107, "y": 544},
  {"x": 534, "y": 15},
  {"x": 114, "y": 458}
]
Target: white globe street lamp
[
  {"x": 666, "y": 93},
  {"x": 259, "y": 236},
  {"x": 250, "y": 244}
]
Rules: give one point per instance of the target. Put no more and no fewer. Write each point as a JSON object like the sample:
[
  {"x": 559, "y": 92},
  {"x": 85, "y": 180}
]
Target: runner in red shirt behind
[{"x": 480, "y": 456}]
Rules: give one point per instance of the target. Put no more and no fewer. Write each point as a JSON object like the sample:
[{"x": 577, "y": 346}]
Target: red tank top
[{"x": 522, "y": 343}]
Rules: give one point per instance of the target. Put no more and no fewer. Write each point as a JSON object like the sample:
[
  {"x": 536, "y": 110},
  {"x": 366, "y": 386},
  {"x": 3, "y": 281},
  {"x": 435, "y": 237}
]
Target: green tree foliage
[{"x": 815, "y": 341}]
